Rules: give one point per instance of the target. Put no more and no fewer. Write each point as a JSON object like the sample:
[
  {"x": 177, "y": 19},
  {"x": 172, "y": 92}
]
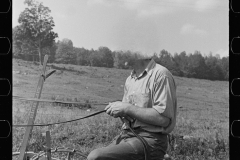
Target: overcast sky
[{"x": 146, "y": 26}]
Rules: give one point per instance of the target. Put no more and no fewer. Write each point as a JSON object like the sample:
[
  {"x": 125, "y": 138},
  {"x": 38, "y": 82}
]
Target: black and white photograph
[{"x": 120, "y": 80}]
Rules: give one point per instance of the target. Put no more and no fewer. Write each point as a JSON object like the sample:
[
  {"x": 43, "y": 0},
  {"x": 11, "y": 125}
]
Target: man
[{"x": 150, "y": 103}]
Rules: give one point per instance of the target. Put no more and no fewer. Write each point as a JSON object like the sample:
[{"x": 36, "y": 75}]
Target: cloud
[
  {"x": 146, "y": 8},
  {"x": 202, "y": 5},
  {"x": 223, "y": 52},
  {"x": 153, "y": 11},
  {"x": 102, "y": 2},
  {"x": 60, "y": 15},
  {"x": 66, "y": 12},
  {"x": 191, "y": 29},
  {"x": 133, "y": 4},
  {"x": 93, "y": 2}
]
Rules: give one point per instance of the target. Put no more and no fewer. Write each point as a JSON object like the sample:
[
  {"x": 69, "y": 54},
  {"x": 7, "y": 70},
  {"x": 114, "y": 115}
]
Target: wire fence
[
  {"x": 56, "y": 102},
  {"x": 65, "y": 112}
]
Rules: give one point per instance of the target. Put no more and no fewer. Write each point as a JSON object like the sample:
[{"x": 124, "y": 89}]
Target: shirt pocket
[{"x": 142, "y": 99}]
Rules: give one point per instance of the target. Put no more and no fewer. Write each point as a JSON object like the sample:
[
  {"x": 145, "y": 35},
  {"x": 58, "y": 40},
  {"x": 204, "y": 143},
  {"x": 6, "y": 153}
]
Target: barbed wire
[
  {"x": 51, "y": 94},
  {"x": 61, "y": 102},
  {"x": 43, "y": 114},
  {"x": 70, "y": 102}
]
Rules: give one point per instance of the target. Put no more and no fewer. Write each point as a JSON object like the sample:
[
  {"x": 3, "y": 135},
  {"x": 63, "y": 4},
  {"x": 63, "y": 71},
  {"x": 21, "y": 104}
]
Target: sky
[{"x": 145, "y": 26}]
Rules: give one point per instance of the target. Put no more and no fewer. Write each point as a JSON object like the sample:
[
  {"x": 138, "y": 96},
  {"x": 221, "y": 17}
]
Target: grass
[
  {"x": 84, "y": 135},
  {"x": 202, "y": 121}
]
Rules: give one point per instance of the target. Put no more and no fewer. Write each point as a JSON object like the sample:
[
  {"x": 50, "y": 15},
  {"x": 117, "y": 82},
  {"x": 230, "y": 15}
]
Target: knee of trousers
[{"x": 95, "y": 155}]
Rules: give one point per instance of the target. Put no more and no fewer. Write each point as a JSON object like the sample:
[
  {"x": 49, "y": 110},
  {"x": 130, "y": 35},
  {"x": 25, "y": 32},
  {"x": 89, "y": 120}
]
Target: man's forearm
[{"x": 147, "y": 115}]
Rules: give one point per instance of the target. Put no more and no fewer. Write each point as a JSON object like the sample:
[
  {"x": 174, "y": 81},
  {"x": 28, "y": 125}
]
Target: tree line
[
  {"x": 34, "y": 37},
  {"x": 185, "y": 65}
]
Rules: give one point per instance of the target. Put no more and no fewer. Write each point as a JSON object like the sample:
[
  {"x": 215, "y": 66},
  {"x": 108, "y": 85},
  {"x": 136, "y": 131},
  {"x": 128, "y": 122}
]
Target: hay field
[{"x": 203, "y": 110}]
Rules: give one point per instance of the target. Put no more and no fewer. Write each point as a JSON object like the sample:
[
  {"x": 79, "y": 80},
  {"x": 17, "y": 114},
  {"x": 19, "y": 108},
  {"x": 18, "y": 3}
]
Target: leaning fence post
[{"x": 33, "y": 111}]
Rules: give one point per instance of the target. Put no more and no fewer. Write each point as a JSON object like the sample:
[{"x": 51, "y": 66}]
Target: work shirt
[{"x": 153, "y": 88}]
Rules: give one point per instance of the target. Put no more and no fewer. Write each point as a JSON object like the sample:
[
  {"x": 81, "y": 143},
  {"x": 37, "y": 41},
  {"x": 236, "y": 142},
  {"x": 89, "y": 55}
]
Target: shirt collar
[
  {"x": 150, "y": 66},
  {"x": 148, "y": 69}
]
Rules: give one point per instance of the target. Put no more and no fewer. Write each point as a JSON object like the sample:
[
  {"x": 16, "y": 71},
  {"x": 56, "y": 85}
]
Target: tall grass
[{"x": 205, "y": 141}]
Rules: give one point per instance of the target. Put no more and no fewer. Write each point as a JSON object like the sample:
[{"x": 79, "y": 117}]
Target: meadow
[{"x": 202, "y": 129}]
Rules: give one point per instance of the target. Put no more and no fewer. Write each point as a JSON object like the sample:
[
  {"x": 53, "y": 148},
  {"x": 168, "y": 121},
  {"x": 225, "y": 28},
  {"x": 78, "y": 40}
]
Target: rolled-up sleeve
[{"x": 164, "y": 94}]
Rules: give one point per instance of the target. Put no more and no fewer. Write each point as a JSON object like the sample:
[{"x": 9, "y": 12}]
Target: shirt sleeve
[{"x": 164, "y": 93}]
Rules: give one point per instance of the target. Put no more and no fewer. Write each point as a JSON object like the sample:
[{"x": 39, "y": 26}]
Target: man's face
[{"x": 138, "y": 63}]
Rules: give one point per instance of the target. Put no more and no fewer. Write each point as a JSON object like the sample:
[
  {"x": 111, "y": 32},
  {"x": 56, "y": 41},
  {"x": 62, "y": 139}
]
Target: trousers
[{"x": 128, "y": 147}]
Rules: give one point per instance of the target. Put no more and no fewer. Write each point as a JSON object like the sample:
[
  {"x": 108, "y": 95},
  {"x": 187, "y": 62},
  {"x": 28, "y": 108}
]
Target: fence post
[{"x": 48, "y": 143}]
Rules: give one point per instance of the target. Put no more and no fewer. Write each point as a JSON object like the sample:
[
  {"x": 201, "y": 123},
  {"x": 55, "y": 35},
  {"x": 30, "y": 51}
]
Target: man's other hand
[{"x": 117, "y": 109}]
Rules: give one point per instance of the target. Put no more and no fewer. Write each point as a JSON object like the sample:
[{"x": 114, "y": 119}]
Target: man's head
[{"x": 141, "y": 64}]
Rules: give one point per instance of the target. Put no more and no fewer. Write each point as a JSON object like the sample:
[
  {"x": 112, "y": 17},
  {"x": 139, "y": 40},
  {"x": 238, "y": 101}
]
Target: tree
[
  {"x": 166, "y": 59},
  {"x": 225, "y": 67},
  {"x": 22, "y": 49},
  {"x": 106, "y": 56},
  {"x": 65, "y": 52},
  {"x": 16, "y": 43},
  {"x": 120, "y": 60},
  {"x": 35, "y": 29},
  {"x": 215, "y": 71},
  {"x": 52, "y": 52},
  {"x": 95, "y": 59},
  {"x": 182, "y": 62},
  {"x": 82, "y": 56},
  {"x": 123, "y": 57},
  {"x": 197, "y": 67}
]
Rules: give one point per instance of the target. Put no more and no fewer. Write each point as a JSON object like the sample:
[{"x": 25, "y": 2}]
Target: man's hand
[
  {"x": 117, "y": 109},
  {"x": 145, "y": 115}
]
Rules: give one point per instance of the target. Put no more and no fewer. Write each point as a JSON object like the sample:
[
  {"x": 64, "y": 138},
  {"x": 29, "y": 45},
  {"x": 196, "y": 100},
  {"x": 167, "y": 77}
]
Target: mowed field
[{"x": 202, "y": 129}]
